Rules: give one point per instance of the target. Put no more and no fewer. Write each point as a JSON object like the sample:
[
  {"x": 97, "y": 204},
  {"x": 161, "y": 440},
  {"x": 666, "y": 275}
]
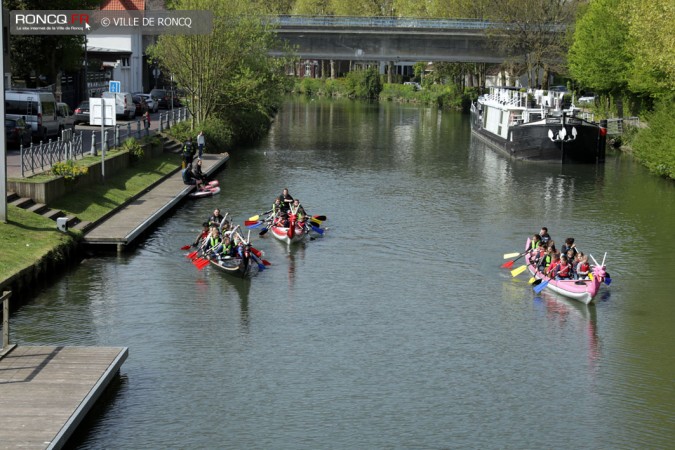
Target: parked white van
[
  {"x": 65, "y": 115},
  {"x": 124, "y": 103},
  {"x": 37, "y": 108}
]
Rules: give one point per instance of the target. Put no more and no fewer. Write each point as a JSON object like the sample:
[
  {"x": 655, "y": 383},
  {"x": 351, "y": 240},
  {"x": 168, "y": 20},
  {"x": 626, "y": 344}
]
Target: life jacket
[
  {"x": 214, "y": 242},
  {"x": 187, "y": 148},
  {"x": 213, "y": 220},
  {"x": 547, "y": 260},
  {"x": 583, "y": 269},
  {"x": 564, "y": 270},
  {"x": 298, "y": 212},
  {"x": 553, "y": 270}
]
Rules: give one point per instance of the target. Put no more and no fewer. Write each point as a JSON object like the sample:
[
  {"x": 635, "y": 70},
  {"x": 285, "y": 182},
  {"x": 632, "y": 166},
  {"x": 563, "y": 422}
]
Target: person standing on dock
[{"x": 201, "y": 141}]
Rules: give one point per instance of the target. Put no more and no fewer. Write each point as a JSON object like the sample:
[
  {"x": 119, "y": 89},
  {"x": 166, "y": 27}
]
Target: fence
[
  {"x": 615, "y": 127},
  {"x": 73, "y": 144}
]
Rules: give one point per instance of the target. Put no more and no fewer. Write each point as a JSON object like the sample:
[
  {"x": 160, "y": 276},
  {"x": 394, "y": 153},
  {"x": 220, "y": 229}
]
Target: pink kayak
[{"x": 583, "y": 291}]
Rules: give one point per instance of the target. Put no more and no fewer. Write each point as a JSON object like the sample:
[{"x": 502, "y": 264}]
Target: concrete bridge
[{"x": 388, "y": 39}]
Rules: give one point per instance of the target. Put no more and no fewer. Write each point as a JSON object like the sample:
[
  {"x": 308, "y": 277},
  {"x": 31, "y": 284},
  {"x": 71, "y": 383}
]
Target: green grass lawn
[
  {"x": 94, "y": 202},
  {"x": 27, "y": 237}
]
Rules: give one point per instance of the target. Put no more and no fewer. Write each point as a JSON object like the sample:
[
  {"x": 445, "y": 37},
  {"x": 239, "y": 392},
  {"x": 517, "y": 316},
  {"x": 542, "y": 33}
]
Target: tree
[
  {"x": 598, "y": 57},
  {"x": 534, "y": 33},
  {"x": 651, "y": 43},
  {"x": 312, "y": 7},
  {"x": 227, "y": 71}
]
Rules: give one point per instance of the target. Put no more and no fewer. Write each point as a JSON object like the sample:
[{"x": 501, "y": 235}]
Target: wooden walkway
[
  {"x": 127, "y": 224},
  {"x": 45, "y": 392}
]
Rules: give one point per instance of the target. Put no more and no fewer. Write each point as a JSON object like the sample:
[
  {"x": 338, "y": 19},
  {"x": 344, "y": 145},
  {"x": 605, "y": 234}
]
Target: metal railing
[
  {"x": 71, "y": 144},
  {"x": 396, "y": 22},
  {"x": 615, "y": 127},
  {"x": 42, "y": 156},
  {"x": 378, "y": 22}
]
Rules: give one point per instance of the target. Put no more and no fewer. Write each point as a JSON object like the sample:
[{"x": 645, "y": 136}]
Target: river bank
[{"x": 35, "y": 252}]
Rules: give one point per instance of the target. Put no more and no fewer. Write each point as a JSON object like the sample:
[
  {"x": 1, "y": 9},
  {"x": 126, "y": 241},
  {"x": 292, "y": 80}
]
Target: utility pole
[{"x": 3, "y": 147}]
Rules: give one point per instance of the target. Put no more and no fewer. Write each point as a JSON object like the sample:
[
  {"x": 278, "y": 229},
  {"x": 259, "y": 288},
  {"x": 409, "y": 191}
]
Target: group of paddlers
[
  {"x": 220, "y": 239},
  {"x": 284, "y": 208},
  {"x": 566, "y": 263}
]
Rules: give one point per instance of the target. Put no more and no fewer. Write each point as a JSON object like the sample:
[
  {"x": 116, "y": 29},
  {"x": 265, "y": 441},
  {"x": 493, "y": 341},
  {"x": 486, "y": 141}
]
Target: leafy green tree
[
  {"x": 651, "y": 43},
  {"x": 227, "y": 72},
  {"x": 598, "y": 57},
  {"x": 312, "y": 7}
]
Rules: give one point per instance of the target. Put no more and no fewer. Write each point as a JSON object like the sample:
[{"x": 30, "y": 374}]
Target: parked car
[
  {"x": 416, "y": 86},
  {"x": 18, "y": 132},
  {"x": 65, "y": 115},
  {"x": 82, "y": 113},
  {"x": 138, "y": 104},
  {"x": 124, "y": 104},
  {"x": 161, "y": 96},
  {"x": 37, "y": 107},
  {"x": 587, "y": 98},
  {"x": 149, "y": 101},
  {"x": 562, "y": 89}
]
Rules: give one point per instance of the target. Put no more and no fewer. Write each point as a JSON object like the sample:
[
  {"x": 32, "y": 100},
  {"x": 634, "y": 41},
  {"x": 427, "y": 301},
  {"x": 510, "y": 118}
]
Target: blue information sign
[{"x": 115, "y": 86}]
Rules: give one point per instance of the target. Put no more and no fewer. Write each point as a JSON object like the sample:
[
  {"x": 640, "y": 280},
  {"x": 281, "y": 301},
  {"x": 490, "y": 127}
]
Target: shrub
[
  {"x": 68, "y": 170},
  {"x": 654, "y": 146},
  {"x": 134, "y": 148},
  {"x": 217, "y": 134}
]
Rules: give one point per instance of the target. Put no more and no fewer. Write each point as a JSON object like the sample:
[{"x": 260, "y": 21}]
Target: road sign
[
  {"x": 115, "y": 86},
  {"x": 102, "y": 111},
  {"x": 156, "y": 72}
]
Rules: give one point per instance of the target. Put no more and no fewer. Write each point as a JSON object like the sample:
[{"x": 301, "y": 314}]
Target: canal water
[{"x": 398, "y": 328}]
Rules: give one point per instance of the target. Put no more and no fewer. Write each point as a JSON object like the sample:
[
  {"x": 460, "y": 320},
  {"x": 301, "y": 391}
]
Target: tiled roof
[{"x": 123, "y": 5}]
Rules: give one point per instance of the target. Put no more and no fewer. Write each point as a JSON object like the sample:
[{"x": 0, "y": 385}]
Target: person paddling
[{"x": 286, "y": 199}]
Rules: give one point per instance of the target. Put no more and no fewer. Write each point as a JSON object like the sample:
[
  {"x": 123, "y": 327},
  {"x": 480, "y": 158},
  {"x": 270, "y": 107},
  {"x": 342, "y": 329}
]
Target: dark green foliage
[
  {"x": 654, "y": 146},
  {"x": 364, "y": 84}
]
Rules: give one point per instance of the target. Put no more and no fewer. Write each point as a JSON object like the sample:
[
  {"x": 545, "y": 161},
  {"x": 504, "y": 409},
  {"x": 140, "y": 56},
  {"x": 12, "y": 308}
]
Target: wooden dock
[
  {"x": 127, "y": 224},
  {"x": 45, "y": 392}
]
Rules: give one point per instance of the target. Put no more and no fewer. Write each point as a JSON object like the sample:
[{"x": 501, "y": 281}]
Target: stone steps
[{"x": 40, "y": 208}]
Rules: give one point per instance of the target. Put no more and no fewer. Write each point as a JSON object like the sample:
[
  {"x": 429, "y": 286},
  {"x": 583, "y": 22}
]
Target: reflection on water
[{"x": 563, "y": 312}]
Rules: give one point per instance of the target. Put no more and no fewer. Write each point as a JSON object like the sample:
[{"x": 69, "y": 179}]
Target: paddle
[
  {"x": 532, "y": 280},
  {"x": 257, "y": 216},
  {"x": 261, "y": 266},
  {"x": 192, "y": 255},
  {"x": 511, "y": 255},
  {"x": 509, "y": 264},
  {"x": 541, "y": 286},
  {"x": 321, "y": 218},
  {"x": 518, "y": 271},
  {"x": 252, "y": 223},
  {"x": 186, "y": 247},
  {"x": 317, "y": 229},
  {"x": 201, "y": 264}
]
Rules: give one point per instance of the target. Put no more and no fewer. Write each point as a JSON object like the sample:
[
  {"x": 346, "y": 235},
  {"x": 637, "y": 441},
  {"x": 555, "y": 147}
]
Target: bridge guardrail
[{"x": 380, "y": 22}]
